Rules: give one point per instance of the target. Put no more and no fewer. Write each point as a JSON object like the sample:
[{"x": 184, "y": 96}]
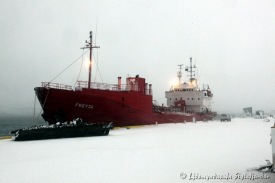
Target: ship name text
[{"x": 84, "y": 106}]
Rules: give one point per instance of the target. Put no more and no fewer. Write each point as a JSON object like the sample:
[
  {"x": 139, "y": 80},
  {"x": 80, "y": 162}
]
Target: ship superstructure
[{"x": 196, "y": 100}]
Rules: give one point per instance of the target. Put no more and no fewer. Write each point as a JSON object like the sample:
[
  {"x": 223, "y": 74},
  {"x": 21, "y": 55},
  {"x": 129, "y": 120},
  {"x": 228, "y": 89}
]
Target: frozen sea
[{"x": 177, "y": 153}]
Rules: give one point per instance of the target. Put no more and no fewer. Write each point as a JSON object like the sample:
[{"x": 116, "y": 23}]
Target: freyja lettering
[{"x": 84, "y": 106}]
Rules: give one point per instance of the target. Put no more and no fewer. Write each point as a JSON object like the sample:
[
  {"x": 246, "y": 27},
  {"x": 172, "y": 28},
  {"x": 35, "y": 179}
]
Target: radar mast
[
  {"x": 180, "y": 73},
  {"x": 191, "y": 72}
]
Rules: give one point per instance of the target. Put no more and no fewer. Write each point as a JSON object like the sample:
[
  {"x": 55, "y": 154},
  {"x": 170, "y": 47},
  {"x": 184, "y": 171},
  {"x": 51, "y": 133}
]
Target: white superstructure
[{"x": 189, "y": 94}]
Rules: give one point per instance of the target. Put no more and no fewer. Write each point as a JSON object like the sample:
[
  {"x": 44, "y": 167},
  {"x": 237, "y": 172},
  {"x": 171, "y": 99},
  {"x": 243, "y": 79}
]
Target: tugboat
[{"x": 124, "y": 104}]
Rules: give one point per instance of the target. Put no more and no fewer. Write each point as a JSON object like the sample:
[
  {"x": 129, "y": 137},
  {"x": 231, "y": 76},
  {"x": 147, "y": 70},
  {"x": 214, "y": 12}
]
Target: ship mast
[
  {"x": 180, "y": 73},
  {"x": 90, "y": 46},
  {"x": 191, "y": 71}
]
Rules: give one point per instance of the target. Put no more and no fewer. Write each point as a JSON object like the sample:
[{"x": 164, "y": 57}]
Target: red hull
[{"x": 123, "y": 108}]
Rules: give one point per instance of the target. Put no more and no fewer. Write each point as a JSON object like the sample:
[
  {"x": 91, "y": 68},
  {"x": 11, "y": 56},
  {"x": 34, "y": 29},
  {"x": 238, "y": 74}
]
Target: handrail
[
  {"x": 113, "y": 87},
  {"x": 105, "y": 86},
  {"x": 56, "y": 86},
  {"x": 94, "y": 85}
]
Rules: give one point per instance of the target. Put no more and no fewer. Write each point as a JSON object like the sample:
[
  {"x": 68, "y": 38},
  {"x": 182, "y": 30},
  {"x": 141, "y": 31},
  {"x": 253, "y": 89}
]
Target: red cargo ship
[{"x": 124, "y": 104}]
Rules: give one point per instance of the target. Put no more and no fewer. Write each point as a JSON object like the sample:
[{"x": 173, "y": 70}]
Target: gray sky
[{"x": 231, "y": 41}]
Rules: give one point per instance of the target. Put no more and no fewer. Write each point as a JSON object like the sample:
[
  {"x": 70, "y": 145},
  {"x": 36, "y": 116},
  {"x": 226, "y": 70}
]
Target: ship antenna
[
  {"x": 90, "y": 46},
  {"x": 180, "y": 73}
]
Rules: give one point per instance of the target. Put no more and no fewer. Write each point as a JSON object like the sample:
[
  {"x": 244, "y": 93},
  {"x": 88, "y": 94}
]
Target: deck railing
[
  {"x": 101, "y": 86},
  {"x": 105, "y": 86},
  {"x": 56, "y": 86}
]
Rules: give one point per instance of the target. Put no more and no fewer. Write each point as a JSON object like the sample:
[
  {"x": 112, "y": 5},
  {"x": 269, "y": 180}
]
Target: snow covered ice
[{"x": 162, "y": 153}]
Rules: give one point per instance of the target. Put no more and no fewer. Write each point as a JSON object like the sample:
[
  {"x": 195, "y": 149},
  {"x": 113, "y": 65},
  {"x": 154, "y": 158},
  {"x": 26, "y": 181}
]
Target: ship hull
[{"x": 125, "y": 108}]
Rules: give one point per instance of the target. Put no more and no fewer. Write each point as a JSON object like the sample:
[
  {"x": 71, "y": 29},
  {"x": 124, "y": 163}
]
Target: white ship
[{"x": 188, "y": 94}]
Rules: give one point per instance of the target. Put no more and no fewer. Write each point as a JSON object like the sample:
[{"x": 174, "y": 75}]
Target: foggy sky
[{"x": 232, "y": 42}]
